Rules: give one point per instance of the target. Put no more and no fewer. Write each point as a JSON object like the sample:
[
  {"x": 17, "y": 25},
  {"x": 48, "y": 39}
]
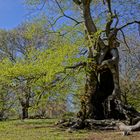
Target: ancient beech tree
[{"x": 102, "y": 98}]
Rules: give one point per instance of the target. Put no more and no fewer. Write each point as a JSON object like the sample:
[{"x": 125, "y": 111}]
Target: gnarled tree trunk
[{"x": 102, "y": 98}]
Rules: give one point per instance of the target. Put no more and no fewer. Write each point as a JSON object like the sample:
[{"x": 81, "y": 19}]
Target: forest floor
[{"x": 46, "y": 129}]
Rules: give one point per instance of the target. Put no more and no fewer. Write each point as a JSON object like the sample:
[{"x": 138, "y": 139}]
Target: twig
[
  {"x": 125, "y": 40},
  {"x": 42, "y": 5},
  {"x": 77, "y": 22},
  {"x": 129, "y": 23},
  {"x": 116, "y": 16},
  {"x": 37, "y": 8}
]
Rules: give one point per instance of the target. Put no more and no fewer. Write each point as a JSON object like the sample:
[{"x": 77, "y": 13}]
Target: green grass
[
  {"x": 34, "y": 130},
  {"x": 46, "y": 130}
]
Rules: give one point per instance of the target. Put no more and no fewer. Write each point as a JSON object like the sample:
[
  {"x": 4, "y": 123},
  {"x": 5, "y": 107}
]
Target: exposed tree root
[
  {"x": 76, "y": 124},
  {"x": 117, "y": 110},
  {"x": 128, "y": 128}
]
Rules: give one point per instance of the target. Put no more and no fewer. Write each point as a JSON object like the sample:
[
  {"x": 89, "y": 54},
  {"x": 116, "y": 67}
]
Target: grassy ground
[{"x": 46, "y": 130}]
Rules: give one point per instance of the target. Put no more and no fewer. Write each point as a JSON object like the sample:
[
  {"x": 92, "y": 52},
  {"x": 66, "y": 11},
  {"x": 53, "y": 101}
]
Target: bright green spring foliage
[
  {"x": 34, "y": 64},
  {"x": 41, "y": 64}
]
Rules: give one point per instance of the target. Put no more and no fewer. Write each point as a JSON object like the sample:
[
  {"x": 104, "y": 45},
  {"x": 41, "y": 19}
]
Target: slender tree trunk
[
  {"x": 24, "y": 99},
  {"x": 24, "y": 112},
  {"x": 25, "y": 106}
]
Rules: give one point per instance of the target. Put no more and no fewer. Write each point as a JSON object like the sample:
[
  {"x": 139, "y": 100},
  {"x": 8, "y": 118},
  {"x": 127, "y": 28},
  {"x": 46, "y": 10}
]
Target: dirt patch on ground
[{"x": 113, "y": 136}]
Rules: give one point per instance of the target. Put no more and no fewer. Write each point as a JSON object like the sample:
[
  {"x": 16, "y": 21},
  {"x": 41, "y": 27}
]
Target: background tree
[{"x": 32, "y": 72}]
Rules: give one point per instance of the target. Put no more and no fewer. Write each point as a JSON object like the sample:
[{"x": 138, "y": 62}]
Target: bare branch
[
  {"x": 76, "y": 65},
  {"x": 42, "y": 5},
  {"x": 65, "y": 14},
  {"x": 56, "y": 20},
  {"x": 129, "y": 23},
  {"x": 53, "y": 30},
  {"x": 59, "y": 33},
  {"x": 37, "y": 8},
  {"x": 116, "y": 16},
  {"x": 125, "y": 40}
]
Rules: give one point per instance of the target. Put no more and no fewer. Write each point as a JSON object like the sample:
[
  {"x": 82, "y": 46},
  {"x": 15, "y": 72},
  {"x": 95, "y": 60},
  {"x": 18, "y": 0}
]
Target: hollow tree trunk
[
  {"x": 102, "y": 92},
  {"x": 101, "y": 104},
  {"x": 100, "y": 85}
]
